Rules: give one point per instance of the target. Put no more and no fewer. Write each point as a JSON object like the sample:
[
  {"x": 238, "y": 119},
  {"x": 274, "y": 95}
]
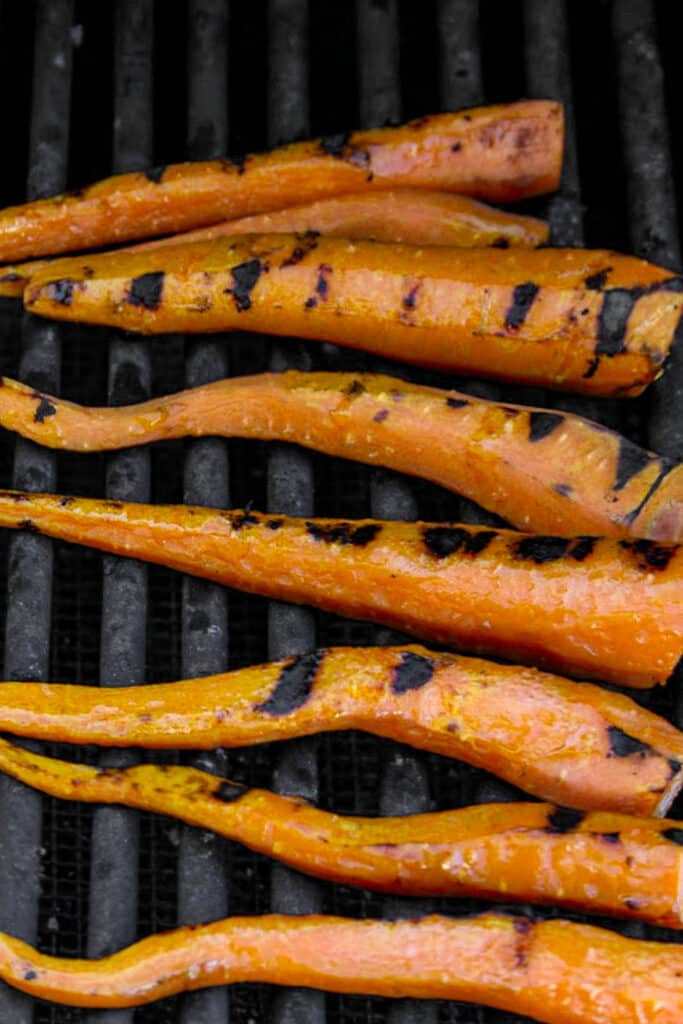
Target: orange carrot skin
[
  {"x": 541, "y": 470},
  {"x": 590, "y": 607},
  {"x": 409, "y": 215},
  {"x": 589, "y": 321},
  {"x": 553, "y": 971},
  {"x": 600, "y": 863},
  {"x": 499, "y": 153},
  {"x": 595, "y": 750}
]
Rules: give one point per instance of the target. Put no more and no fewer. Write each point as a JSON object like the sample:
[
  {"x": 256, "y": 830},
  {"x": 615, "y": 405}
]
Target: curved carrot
[
  {"x": 571, "y": 743},
  {"x": 409, "y": 215},
  {"x": 589, "y": 321},
  {"x": 499, "y": 153},
  {"x": 601, "y": 863},
  {"x": 597, "y": 607},
  {"x": 552, "y": 971},
  {"x": 541, "y": 470}
]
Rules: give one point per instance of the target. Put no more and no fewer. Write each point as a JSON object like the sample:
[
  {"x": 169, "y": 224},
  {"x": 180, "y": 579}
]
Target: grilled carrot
[
  {"x": 540, "y": 470},
  {"x": 602, "y": 608},
  {"x": 602, "y": 862},
  {"x": 589, "y": 321},
  {"x": 553, "y": 971},
  {"x": 571, "y": 743},
  {"x": 499, "y": 153},
  {"x": 407, "y": 215}
]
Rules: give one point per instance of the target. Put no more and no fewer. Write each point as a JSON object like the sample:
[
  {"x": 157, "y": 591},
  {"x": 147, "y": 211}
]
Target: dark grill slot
[{"x": 226, "y": 77}]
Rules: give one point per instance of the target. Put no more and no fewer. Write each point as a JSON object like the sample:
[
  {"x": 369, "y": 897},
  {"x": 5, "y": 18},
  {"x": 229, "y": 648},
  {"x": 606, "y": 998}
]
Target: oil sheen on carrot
[
  {"x": 591, "y": 321},
  {"x": 539, "y": 469}
]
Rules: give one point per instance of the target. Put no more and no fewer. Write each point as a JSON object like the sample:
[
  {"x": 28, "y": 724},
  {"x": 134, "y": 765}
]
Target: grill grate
[{"x": 213, "y": 77}]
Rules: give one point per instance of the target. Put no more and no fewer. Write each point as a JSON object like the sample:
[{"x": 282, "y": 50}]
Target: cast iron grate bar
[
  {"x": 404, "y": 787},
  {"x": 30, "y": 557},
  {"x": 202, "y": 881},
  {"x": 113, "y": 907},
  {"x": 290, "y": 491}
]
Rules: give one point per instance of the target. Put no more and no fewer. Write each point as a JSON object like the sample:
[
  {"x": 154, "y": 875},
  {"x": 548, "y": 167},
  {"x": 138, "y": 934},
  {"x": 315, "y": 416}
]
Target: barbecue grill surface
[{"x": 95, "y": 88}]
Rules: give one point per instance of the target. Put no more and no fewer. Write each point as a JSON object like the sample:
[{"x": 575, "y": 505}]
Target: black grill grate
[{"x": 97, "y": 88}]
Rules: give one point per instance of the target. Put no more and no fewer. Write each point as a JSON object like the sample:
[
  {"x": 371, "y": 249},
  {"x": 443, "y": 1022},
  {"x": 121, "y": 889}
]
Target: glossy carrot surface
[
  {"x": 600, "y": 863},
  {"x": 603, "y": 608},
  {"x": 591, "y": 321},
  {"x": 541, "y": 470},
  {"x": 410, "y": 215},
  {"x": 570, "y": 743},
  {"x": 499, "y": 153},
  {"x": 552, "y": 971}
]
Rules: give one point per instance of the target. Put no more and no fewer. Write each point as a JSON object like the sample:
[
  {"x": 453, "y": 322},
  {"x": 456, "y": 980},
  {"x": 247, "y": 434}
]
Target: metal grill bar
[
  {"x": 112, "y": 921},
  {"x": 202, "y": 882},
  {"x": 30, "y": 558},
  {"x": 290, "y": 490}
]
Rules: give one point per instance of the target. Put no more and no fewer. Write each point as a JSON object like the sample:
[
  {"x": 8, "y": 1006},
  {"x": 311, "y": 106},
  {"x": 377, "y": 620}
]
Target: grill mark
[
  {"x": 649, "y": 553},
  {"x": 155, "y": 174},
  {"x": 412, "y": 672},
  {"x": 146, "y": 290},
  {"x": 541, "y": 549},
  {"x": 294, "y": 685},
  {"x": 244, "y": 276},
  {"x": 522, "y": 299},
  {"x": 631, "y": 461},
  {"x": 343, "y": 533},
  {"x": 456, "y": 403},
  {"x": 666, "y": 468},
  {"x": 442, "y": 541},
  {"x": 541, "y": 424},
  {"x": 592, "y": 368},
  {"x": 356, "y": 387},
  {"x": 228, "y": 791},
  {"x": 61, "y": 291},
  {"x": 623, "y": 745},
  {"x": 308, "y": 243},
  {"x": 596, "y": 282},
  {"x": 409, "y": 300},
  {"x": 617, "y": 306},
  {"x": 45, "y": 408},
  {"x": 334, "y": 145},
  {"x": 565, "y": 819},
  {"x": 582, "y": 548}
]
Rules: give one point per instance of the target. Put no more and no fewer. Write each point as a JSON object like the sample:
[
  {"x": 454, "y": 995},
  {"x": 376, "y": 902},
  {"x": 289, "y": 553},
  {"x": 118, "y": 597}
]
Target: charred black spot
[
  {"x": 66, "y": 501},
  {"x": 244, "y": 518},
  {"x": 456, "y": 147},
  {"x": 412, "y": 672},
  {"x": 61, "y": 291},
  {"x": 146, "y": 290},
  {"x": 334, "y": 145},
  {"x": 87, "y": 271},
  {"x": 343, "y": 533},
  {"x": 356, "y": 387},
  {"x": 581, "y": 548},
  {"x": 541, "y": 549},
  {"x": 244, "y": 276},
  {"x": 456, "y": 403},
  {"x": 623, "y": 745},
  {"x": 155, "y": 174},
  {"x": 443, "y": 541},
  {"x": 596, "y": 282},
  {"x": 322, "y": 284},
  {"x": 479, "y": 541},
  {"x": 632, "y": 460},
  {"x": 674, "y": 835},
  {"x": 522, "y": 300},
  {"x": 45, "y": 408},
  {"x": 310, "y": 303},
  {"x": 228, "y": 791},
  {"x": 592, "y": 368},
  {"x": 294, "y": 684},
  {"x": 523, "y": 927},
  {"x": 632, "y": 904},
  {"x": 308, "y": 242},
  {"x": 501, "y": 243},
  {"x": 12, "y": 276},
  {"x": 564, "y": 489},
  {"x": 28, "y": 526},
  {"x": 409, "y": 300},
  {"x": 565, "y": 819},
  {"x": 649, "y": 553},
  {"x": 380, "y": 416},
  {"x": 609, "y": 837},
  {"x": 617, "y": 306},
  {"x": 30, "y": 975},
  {"x": 274, "y": 524},
  {"x": 543, "y": 423}
]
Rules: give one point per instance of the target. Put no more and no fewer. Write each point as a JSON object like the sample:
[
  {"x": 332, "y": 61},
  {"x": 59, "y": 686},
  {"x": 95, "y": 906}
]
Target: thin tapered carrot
[
  {"x": 552, "y": 971},
  {"x": 409, "y": 215},
  {"x": 602, "y": 863},
  {"x": 499, "y": 153},
  {"x": 541, "y": 470},
  {"x": 589, "y": 321},
  {"x": 571, "y": 743},
  {"x": 603, "y": 608}
]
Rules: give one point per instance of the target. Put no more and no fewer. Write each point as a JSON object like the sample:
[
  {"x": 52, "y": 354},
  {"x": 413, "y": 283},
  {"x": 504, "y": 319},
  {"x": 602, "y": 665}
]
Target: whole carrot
[
  {"x": 499, "y": 153},
  {"x": 589, "y": 321},
  {"x": 602, "y": 608},
  {"x": 552, "y": 971},
  {"x": 601, "y": 863},
  {"x": 541, "y": 470},
  {"x": 410, "y": 215},
  {"x": 571, "y": 743}
]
